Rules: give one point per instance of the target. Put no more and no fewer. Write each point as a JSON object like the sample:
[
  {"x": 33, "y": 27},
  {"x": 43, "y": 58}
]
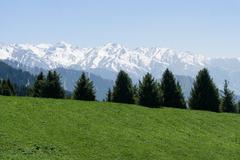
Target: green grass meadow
[{"x": 48, "y": 129}]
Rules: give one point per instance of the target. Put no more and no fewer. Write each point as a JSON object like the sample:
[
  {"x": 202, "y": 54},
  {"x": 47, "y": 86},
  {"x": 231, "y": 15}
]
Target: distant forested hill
[
  {"x": 16, "y": 76},
  {"x": 68, "y": 78},
  {"x": 21, "y": 79}
]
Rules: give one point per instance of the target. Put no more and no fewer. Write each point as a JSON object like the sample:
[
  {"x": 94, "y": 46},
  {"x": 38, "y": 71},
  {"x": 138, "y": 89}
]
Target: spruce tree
[
  {"x": 84, "y": 89},
  {"x": 6, "y": 91},
  {"x": 59, "y": 90},
  {"x": 148, "y": 92},
  {"x": 172, "y": 94},
  {"x": 39, "y": 85},
  {"x": 180, "y": 100},
  {"x": 109, "y": 95},
  {"x": 204, "y": 94},
  {"x": 53, "y": 88},
  {"x": 228, "y": 102},
  {"x": 123, "y": 89},
  {"x": 11, "y": 88},
  {"x": 0, "y": 87},
  {"x": 238, "y": 107},
  {"x": 136, "y": 94}
]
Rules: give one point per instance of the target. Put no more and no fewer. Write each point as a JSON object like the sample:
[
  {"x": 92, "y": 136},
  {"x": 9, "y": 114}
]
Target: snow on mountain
[
  {"x": 107, "y": 60},
  {"x": 111, "y": 57}
]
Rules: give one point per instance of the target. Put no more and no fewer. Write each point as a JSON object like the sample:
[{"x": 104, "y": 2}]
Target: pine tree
[
  {"x": 172, "y": 94},
  {"x": 238, "y": 107},
  {"x": 11, "y": 87},
  {"x": 136, "y": 94},
  {"x": 180, "y": 100},
  {"x": 53, "y": 88},
  {"x": 109, "y": 95},
  {"x": 228, "y": 102},
  {"x": 84, "y": 89},
  {"x": 0, "y": 87},
  {"x": 39, "y": 85},
  {"x": 168, "y": 87},
  {"x": 148, "y": 92},
  {"x": 21, "y": 90},
  {"x": 5, "y": 89},
  {"x": 123, "y": 89},
  {"x": 59, "y": 90},
  {"x": 204, "y": 94}
]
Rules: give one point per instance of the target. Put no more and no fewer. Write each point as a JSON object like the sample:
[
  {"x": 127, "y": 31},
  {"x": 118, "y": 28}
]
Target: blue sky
[{"x": 209, "y": 27}]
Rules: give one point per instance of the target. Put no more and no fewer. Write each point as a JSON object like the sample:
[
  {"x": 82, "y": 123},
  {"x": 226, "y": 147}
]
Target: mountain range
[{"x": 107, "y": 60}]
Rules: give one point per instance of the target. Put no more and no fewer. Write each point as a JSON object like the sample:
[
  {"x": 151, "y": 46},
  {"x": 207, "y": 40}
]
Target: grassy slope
[{"x": 65, "y": 129}]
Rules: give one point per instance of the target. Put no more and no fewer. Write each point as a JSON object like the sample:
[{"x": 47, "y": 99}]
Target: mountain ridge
[
  {"x": 107, "y": 60},
  {"x": 68, "y": 78}
]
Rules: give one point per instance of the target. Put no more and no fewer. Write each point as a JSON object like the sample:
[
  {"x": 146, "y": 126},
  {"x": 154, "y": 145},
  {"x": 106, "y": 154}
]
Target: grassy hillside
[{"x": 39, "y": 129}]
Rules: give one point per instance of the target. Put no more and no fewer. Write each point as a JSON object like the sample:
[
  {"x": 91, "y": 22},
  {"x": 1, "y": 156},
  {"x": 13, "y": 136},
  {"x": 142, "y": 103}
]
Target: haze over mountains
[{"x": 107, "y": 60}]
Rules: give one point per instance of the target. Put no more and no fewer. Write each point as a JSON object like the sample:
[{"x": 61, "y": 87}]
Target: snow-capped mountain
[
  {"x": 107, "y": 60},
  {"x": 111, "y": 58}
]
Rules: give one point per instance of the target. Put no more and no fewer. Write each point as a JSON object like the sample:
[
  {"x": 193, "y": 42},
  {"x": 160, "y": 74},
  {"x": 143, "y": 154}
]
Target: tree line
[
  {"x": 149, "y": 91},
  {"x": 167, "y": 92}
]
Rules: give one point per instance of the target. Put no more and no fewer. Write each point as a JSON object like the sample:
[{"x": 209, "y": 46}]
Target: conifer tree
[
  {"x": 0, "y": 87},
  {"x": 109, "y": 95},
  {"x": 180, "y": 100},
  {"x": 5, "y": 89},
  {"x": 228, "y": 102},
  {"x": 123, "y": 89},
  {"x": 148, "y": 92},
  {"x": 11, "y": 87},
  {"x": 204, "y": 94},
  {"x": 39, "y": 85},
  {"x": 136, "y": 94},
  {"x": 59, "y": 90},
  {"x": 84, "y": 89},
  {"x": 172, "y": 94},
  {"x": 238, "y": 107},
  {"x": 53, "y": 88}
]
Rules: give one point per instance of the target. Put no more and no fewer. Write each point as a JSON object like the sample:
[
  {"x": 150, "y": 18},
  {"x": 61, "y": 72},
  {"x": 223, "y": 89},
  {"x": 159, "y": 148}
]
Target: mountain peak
[
  {"x": 113, "y": 45},
  {"x": 62, "y": 44}
]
